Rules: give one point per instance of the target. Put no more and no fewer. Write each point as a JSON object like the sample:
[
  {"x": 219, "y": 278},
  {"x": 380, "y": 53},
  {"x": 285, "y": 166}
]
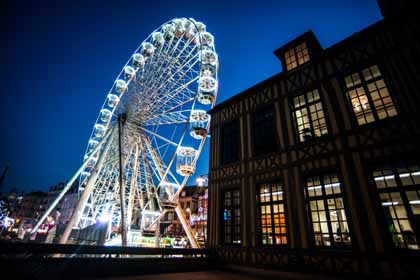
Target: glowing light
[
  {"x": 314, "y": 188},
  {"x": 389, "y": 203},
  {"x": 200, "y": 181},
  {"x": 274, "y": 193},
  {"x": 106, "y": 217}
]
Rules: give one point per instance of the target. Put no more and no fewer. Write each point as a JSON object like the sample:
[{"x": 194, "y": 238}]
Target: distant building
[
  {"x": 67, "y": 204},
  {"x": 32, "y": 205},
  {"x": 319, "y": 164},
  {"x": 193, "y": 200},
  {"x": 199, "y": 217}
]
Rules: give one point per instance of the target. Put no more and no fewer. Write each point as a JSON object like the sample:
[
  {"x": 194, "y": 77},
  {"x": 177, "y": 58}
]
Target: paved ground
[
  {"x": 223, "y": 275},
  {"x": 201, "y": 275}
]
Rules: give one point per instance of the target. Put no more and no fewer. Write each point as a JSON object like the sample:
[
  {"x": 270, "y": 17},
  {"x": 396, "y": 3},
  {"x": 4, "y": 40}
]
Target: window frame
[
  {"x": 232, "y": 226},
  {"x": 293, "y": 110},
  {"x": 359, "y": 70},
  {"x": 222, "y": 147},
  {"x": 271, "y": 203},
  {"x": 321, "y": 174},
  {"x": 276, "y": 141},
  {"x": 294, "y": 54},
  {"x": 399, "y": 189}
]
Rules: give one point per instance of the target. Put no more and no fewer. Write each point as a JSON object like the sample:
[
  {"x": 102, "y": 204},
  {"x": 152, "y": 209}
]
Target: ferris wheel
[{"x": 149, "y": 132}]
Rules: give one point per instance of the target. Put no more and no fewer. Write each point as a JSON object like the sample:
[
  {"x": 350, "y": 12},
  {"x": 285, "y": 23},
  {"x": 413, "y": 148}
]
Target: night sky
[{"x": 59, "y": 59}]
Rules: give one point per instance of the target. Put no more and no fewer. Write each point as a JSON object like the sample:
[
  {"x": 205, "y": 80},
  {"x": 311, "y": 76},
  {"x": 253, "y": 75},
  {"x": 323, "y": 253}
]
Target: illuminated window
[
  {"x": 369, "y": 96},
  {"x": 231, "y": 217},
  {"x": 326, "y": 211},
  {"x": 272, "y": 219},
  {"x": 296, "y": 56},
  {"x": 399, "y": 193},
  {"x": 309, "y": 115},
  {"x": 302, "y": 53}
]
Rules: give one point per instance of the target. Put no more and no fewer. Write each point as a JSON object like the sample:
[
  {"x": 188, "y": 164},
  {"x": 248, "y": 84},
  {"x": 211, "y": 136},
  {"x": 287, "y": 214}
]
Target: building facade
[
  {"x": 322, "y": 159},
  {"x": 193, "y": 201},
  {"x": 67, "y": 204}
]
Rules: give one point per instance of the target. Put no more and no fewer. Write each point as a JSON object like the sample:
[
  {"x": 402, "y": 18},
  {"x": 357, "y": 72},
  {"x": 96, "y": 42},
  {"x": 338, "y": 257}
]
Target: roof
[{"x": 341, "y": 44}]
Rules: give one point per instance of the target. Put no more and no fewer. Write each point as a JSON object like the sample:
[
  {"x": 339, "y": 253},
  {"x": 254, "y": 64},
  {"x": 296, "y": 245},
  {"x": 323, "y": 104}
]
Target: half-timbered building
[{"x": 320, "y": 164}]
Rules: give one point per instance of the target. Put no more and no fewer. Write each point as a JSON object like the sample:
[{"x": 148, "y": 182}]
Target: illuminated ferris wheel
[{"x": 150, "y": 132}]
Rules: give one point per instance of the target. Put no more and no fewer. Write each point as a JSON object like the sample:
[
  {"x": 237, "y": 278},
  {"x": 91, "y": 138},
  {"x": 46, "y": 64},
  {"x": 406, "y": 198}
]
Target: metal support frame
[
  {"x": 186, "y": 226},
  {"x": 69, "y": 184},
  {"x": 133, "y": 185},
  {"x": 87, "y": 191},
  {"x": 123, "y": 225}
]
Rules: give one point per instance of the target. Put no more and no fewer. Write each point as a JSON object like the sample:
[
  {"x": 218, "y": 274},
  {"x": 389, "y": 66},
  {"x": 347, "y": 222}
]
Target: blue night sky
[{"x": 59, "y": 59}]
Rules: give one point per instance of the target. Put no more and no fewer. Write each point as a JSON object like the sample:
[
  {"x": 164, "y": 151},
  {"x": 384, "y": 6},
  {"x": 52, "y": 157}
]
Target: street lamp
[{"x": 200, "y": 181}]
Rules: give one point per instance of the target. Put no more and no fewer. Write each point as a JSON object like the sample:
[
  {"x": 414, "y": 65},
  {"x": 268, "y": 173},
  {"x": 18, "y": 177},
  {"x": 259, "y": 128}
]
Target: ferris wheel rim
[{"x": 124, "y": 88}]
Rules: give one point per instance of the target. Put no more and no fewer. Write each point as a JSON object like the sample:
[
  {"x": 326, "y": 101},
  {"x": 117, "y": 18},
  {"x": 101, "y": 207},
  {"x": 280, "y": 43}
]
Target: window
[
  {"x": 265, "y": 137},
  {"x": 369, "y": 96},
  {"x": 270, "y": 208},
  {"x": 326, "y": 211},
  {"x": 231, "y": 217},
  {"x": 230, "y": 142},
  {"x": 296, "y": 56},
  {"x": 309, "y": 115},
  {"x": 399, "y": 192},
  {"x": 170, "y": 216}
]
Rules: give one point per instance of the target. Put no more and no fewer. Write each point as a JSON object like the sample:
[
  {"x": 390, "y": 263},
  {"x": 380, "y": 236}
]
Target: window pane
[
  {"x": 372, "y": 90},
  {"x": 231, "y": 217},
  {"x": 309, "y": 116},
  {"x": 394, "y": 208},
  {"x": 327, "y": 211},
  {"x": 272, "y": 216},
  {"x": 290, "y": 59},
  {"x": 302, "y": 53}
]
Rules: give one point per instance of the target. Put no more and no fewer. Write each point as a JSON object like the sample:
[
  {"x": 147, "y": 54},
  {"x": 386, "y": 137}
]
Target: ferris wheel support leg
[
  {"x": 67, "y": 187},
  {"x": 187, "y": 228},
  {"x": 133, "y": 185},
  {"x": 87, "y": 191},
  {"x": 123, "y": 225}
]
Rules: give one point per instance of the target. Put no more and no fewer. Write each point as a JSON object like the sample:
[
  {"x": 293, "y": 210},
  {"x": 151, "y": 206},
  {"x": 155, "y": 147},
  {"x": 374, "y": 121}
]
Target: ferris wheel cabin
[
  {"x": 185, "y": 161},
  {"x": 199, "y": 120},
  {"x": 167, "y": 193}
]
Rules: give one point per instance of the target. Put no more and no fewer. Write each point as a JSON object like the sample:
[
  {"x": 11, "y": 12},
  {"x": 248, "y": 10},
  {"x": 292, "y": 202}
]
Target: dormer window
[{"x": 296, "y": 56}]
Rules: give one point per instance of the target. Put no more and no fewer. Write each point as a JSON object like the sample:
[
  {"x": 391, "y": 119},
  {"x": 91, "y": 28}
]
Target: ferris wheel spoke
[
  {"x": 154, "y": 157},
  {"x": 163, "y": 79},
  {"x": 180, "y": 69},
  {"x": 177, "y": 106},
  {"x": 168, "y": 74},
  {"x": 158, "y": 136},
  {"x": 175, "y": 95},
  {"x": 176, "y": 117},
  {"x": 169, "y": 55}
]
